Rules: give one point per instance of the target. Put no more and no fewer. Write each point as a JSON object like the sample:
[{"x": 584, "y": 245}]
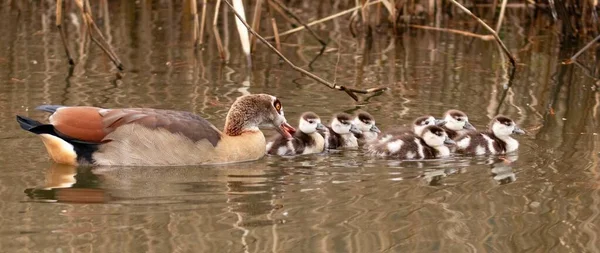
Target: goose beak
[
  {"x": 320, "y": 127},
  {"x": 375, "y": 129},
  {"x": 440, "y": 122},
  {"x": 518, "y": 130},
  {"x": 355, "y": 130},
  {"x": 468, "y": 126},
  {"x": 286, "y": 130},
  {"x": 449, "y": 141}
]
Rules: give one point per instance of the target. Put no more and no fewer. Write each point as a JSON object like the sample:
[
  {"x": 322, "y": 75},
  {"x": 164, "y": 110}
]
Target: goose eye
[{"x": 277, "y": 105}]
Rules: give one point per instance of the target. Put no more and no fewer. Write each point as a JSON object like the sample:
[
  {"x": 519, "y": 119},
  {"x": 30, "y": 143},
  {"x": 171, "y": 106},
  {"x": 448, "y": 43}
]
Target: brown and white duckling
[
  {"x": 457, "y": 123},
  {"x": 496, "y": 140},
  {"x": 306, "y": 141},
  {"x": 418, "y": 125},
  {"x": 341, "y": 132},
  {"x": 431, "y": 144},
  {"x": 153, "y": 137},
  {"x": 366, "y": 124}
]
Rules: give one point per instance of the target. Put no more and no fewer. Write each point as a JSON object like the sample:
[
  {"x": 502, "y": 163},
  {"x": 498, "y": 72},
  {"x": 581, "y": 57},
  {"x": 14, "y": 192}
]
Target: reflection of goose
[
  {"x": 65, "y": 184},
  {"x": 147, "y": 137}
]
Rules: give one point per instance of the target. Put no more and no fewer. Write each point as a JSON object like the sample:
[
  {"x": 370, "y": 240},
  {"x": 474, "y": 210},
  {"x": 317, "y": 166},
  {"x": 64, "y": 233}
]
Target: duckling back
[{"x": 404, "y": 147}]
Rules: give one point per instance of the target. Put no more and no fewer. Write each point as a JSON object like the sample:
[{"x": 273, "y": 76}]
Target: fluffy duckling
[
  {"x": 457, "y": 123},
  {"x": 306, "y": 141},
  {"x": 431, "y": 144},
  {"x": 417, "y": 128},
  {"x": 82, "y": 135},
  {"x": 496, "y": 140},
  {"x": 366, "y": 124},
  {"x": 341, "y": 132}
]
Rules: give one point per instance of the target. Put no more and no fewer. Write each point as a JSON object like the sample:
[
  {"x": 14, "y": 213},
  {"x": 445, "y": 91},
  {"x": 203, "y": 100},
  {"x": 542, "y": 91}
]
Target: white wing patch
[
  {"x": 490, "y": 144},
  {"x": 394, "y": 146},
  {"x": 464, "y": 142},
  {"x": 419, "y": 149}
]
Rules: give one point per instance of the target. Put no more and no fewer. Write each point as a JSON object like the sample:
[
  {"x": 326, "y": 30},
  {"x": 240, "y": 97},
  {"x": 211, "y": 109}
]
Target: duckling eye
[
  {"x": 311, "y": 122},
  {"x": 426, "y": 123},
  {"x": 459, "y": 119}
]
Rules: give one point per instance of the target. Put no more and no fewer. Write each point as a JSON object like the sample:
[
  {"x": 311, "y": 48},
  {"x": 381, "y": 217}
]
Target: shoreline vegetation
[{"x": 274, "y": 21}]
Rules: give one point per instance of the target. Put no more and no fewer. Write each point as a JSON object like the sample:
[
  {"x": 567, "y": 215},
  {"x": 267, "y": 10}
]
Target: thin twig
[
  {"x": 501, "y": 16},
  {"x": 61, "y": 30},
  {"x": 342, "y": 13},
  {"x": 195, "y": 23},
  {"x": 276, "y": 33},
  {"x": 511, "y": 58},
  {"x": 255, "y": 23},
  {"x": 465, "y": 33},
  {"x": 291, "y": 14},
  {"x": 202, "y": 23},
  {"x": 220, "y": 47},
  {"x": 348, "y": 90},
  {"x": 98, "y": 38},
  {"x": 574, "y": 57}
]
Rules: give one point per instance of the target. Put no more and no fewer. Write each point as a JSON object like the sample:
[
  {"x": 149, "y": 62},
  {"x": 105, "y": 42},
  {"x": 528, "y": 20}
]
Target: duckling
[
  {"x": 306, "y": 141},
  {"x": 365, "y": 123},
  {"x": 341, "y": 132},
  {"x": 417, "y": 128},
  {"x": 81, "y": 135},
  {"x": 409, "y": 146},
  {"x": 496, "y": 140},
  {"x": 457, "y": 123}
]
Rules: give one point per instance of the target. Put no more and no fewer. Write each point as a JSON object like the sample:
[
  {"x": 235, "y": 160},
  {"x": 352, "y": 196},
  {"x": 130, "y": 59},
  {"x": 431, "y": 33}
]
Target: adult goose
[{"x": 83, "y": 135}]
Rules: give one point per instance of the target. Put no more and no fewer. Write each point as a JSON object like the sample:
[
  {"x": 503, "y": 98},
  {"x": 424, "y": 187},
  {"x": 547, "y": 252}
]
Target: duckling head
[
  {"x": 342, "y": 124},
  {"x": 250, "y": 111},
  {"x": 435, "y": 136},
  {"x": 457, "y": 120},
  {"x": 421, "y": 122},
  {"x": 365, "y": 122},
  {"x": 310, "y": 123},
  {"x": 503, "y": 126}
]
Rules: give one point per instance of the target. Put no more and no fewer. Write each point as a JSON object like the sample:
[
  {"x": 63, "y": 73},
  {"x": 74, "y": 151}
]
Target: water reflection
[{"x": 547, "y": 200}]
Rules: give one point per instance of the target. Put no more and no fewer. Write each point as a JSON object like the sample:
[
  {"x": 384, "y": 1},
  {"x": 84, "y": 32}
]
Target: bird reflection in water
[
  {"x": 66, "y": 183},
  {"x": 501, "y": 169}
]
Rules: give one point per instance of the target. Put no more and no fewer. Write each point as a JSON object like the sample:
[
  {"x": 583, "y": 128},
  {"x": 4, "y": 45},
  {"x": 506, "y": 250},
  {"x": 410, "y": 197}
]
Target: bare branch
[
  {"x": 510, "y": 56},
  {"x": 350, "y": 91}
]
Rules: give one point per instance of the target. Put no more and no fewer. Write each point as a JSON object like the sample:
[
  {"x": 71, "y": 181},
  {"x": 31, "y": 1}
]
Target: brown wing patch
[
  {"x": 187, "y": 124},
  {"x": 80, "y": 122}
]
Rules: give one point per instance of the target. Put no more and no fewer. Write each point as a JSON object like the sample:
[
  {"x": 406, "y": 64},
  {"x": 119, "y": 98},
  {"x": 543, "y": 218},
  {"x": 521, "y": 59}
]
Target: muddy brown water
[{"x": 546, "y": 200}]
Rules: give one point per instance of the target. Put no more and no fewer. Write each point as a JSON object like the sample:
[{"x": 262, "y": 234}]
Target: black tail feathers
[{"x": 34, "y": 126}]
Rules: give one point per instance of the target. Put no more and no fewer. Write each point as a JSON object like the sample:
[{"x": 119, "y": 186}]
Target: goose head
[
  {"x": 310, "y": 123},
  {"x": 503, "y": 126},
  {"x": 342, "y": 124},
  {"x": 248, "y": 112},
  {"x": 424, "y": 121},
  {"x": 457, "y": 120},
  {"x": 435, "y": 136},
  {"x": 365, "y": 122}
]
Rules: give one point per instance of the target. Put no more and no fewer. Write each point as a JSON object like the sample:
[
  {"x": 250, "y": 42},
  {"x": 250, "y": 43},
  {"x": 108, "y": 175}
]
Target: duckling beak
[
  {"x": 440, "y": 122},
  {"x": 286, "y": 130},
  {"x": 375, "y": 129},
  {"x": 321, "y": 127},
  {"x": 449, "y": 141},
  {"x": 355, "y": 130},
  {"x": 468, "y": 126},
  {"x": 518, "y": 130}
]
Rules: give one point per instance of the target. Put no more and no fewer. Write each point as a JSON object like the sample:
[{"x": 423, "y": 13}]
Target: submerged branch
[
  {"x": 342, "y": 13},
  {"x": 511, "y": 58},
  {"x": 350, "y": 91},
  {"x": 574, "y": 57},
  {"x": 465, "y": 33}
]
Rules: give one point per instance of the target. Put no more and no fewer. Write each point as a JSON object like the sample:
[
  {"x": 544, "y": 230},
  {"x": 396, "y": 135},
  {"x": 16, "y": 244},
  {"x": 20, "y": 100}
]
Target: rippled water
[{"x": 543, "y": 199}]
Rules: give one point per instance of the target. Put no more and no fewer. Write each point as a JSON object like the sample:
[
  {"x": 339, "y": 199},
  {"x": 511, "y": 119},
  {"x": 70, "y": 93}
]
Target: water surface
[{"x": 544, "y": 198}]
